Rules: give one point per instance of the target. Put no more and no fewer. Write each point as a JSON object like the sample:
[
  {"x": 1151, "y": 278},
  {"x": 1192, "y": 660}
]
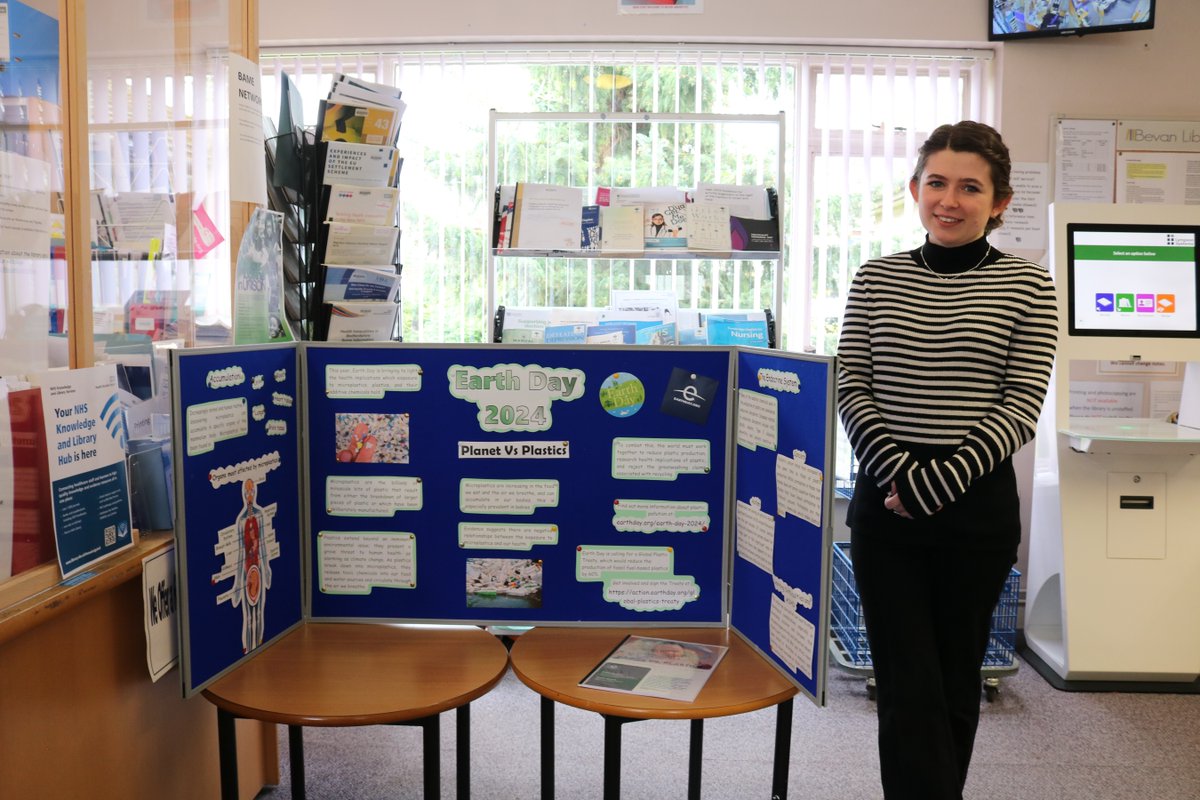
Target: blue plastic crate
[{"x": 848, "y": 626}]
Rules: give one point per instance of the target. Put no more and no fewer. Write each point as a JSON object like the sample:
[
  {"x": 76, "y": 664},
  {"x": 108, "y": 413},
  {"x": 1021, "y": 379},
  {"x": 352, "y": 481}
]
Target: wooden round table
[
  {"x": 336, "y": 674},
  {"x": 552, "y": 662}
]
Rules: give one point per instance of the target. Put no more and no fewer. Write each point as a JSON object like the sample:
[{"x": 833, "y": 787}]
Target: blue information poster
[
  {"x": 518, "y": 484},
  {"x": 238, "y": 528},
  {"x": 784, "y": 493},
  {"x": 89, "y": 484}
]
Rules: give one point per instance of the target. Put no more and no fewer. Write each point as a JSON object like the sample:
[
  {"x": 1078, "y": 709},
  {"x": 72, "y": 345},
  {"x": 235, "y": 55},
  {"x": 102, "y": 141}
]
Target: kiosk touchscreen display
[{"x": 1133, "y": 280}]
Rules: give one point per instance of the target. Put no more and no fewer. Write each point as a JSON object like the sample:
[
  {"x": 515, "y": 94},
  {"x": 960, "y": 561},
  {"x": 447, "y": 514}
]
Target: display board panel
[
  {"x": 529, "y": 484},
  {"x": 237, "y": 515},
  {"x": 782, "y": 531},
  {"x": 508, "y": 485}
]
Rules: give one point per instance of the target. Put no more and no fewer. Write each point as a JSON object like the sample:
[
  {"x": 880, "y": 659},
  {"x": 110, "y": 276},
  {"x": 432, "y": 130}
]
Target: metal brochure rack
[{"x": 764, "y": 267}]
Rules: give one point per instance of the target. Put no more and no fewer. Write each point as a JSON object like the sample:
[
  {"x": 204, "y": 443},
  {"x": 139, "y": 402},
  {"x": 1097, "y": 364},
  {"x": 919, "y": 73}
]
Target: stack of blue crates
[{"x": 848, "y": 626}]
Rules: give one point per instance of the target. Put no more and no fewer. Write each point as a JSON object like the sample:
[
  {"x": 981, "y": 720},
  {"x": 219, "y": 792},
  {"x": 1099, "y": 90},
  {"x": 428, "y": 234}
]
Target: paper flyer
[
  {"x": 89, "y": 486},
  {"x": 360, "y": 283},
  {"x": 258, "y": 314},
  {"x": 247, "y": 177},
  {"x": 365, "y": 165},
  {"x": 367, "y": 321}
]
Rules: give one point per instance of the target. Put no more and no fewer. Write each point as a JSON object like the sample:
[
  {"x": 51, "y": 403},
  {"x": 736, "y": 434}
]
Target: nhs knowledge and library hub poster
[{"x": 89, "y": 486}]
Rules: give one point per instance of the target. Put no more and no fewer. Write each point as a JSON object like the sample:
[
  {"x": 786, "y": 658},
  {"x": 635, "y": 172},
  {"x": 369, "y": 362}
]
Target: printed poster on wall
[{"x": 89, "y": 486}]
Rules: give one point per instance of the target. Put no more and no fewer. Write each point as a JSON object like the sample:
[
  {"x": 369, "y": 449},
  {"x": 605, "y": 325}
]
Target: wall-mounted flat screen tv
[
  {"x": 1028, "y": 19},
  {"x": 1133, "y": 280}
]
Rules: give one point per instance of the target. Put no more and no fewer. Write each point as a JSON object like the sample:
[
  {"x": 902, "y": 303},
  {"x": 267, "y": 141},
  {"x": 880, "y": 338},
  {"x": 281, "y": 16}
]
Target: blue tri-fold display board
[
  {"x": 518, "y": 485},
  {"x": 237, "y": 515}
]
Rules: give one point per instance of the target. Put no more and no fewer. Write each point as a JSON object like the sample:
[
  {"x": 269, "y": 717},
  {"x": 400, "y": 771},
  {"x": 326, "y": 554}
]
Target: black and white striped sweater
[{"x": 954, "y": 362}]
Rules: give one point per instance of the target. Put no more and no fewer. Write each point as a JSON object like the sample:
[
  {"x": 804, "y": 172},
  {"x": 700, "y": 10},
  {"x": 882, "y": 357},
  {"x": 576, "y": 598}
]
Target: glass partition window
[
  {"x": 32, "y": 266},
  {"x": 158, "y": 147},
  {"x": 33, "y": 279}
]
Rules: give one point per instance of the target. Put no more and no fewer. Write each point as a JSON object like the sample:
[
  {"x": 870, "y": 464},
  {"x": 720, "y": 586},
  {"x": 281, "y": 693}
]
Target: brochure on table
[{"x": 490, "y": 484}]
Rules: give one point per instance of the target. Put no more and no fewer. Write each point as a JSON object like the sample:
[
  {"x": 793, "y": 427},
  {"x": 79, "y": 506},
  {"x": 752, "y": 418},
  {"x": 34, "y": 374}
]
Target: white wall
[
  {"x": 1151, "y": 74},
  {"x": 1155, "y": 74}
]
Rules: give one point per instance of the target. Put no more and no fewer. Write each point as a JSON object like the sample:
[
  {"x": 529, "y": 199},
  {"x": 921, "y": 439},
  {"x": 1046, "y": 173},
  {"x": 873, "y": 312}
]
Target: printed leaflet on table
[{"x": 664, "y": 668}]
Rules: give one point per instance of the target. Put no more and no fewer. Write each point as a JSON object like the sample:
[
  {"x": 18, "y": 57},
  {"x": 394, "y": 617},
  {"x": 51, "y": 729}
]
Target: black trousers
[{"x": 928, "y": 616}]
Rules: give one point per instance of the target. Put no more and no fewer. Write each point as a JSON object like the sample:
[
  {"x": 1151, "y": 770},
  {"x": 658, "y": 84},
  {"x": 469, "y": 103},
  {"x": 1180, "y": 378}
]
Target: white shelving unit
[{"x": 677, "y": 267}]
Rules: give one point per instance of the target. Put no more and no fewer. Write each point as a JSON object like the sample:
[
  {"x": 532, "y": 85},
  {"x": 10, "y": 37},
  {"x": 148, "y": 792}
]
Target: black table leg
[
  {"x": 783, "y": 750},
  {"x": 227, "y": 748},
  {"x": 431, "y": 735},
  {"x": 462, "y": 758},
  {"x": 547, "y": 749},
  {"x": 612, "y": 757},
  {"x": 296, "y": 759},
  {"x": 695, "y": 759},
  {"x": 433, "y": 756}
]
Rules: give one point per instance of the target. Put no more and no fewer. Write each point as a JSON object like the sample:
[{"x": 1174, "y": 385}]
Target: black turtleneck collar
[{"x": 950, "y": 260}]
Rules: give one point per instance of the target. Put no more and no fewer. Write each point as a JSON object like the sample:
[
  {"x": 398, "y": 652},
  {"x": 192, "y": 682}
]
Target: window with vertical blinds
[{"x": 855, "y": 117}]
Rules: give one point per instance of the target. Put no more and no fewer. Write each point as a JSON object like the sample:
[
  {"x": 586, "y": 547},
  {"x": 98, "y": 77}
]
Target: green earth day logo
[{"x": 622, "y": 394}]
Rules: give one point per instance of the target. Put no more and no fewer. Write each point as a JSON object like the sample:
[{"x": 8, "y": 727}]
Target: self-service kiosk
[{"x": 1113, "y": 580}]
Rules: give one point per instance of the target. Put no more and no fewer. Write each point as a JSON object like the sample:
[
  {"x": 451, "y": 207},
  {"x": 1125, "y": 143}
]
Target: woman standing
[{"x": 945, "y": 357}]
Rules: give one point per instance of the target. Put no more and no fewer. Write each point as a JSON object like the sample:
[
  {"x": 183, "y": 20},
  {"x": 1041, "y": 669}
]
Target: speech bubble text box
[
  {"x": 347, "y": 496},
  {"x": 799, "y": 488},
  {"x": 255, "y": 469},
  {"x": 659, "y": 459},
  {"x": 209, "y": 423},
  {"x": 355, "y": 562},
  {"x": 644, "y": 593},
  {"x": 793, "y": 638},
  {"x": 371, "y": 380},
  {"x": 225, "y": 378},
  {"x": 592, "y": 562},
  {"x": 756, "y": 537},
  {"x": 498, "y": 536},
  {"x": 650, "y": 516},
  {"x": 757, "y": 420},
  {"x": 779, "y": 380},
  {"x": 478, "y": 496}
]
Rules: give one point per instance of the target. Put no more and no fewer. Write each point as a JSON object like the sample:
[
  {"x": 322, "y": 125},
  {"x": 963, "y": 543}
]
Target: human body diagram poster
[
  {"x": 238, "y": 523},
  {"x": 484, "y": 484}
]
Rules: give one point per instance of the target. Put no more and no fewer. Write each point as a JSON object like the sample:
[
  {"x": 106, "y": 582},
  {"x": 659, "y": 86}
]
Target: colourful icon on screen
[
  {"x": 1125, "y": 303},
  {"x": 1145, "y": 303},
  {"x": 1166, "y": 304},
  {"x": 1104, "y": 301}
]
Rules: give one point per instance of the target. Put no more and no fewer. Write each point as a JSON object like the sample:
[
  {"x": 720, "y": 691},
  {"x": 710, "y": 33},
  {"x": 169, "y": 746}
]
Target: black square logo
[{"x": 689, "y": 396}]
